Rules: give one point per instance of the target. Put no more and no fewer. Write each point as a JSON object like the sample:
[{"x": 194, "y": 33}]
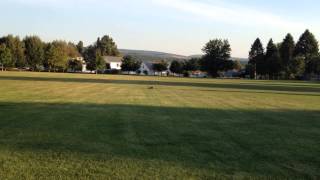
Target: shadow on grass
[
  {"x": 261, "y": 92},
  {"x": 240, "y": 86},
  {"x": 265, "y": 142}
]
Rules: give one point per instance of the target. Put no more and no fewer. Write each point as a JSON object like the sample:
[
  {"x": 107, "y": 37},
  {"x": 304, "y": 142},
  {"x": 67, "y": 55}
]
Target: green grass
[{"x": 72, "y": 126}]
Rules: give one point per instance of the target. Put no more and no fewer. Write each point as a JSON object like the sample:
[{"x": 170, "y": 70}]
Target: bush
[
  {"x": 186, "y": 74},
  {"x": 112, "y": 71}
]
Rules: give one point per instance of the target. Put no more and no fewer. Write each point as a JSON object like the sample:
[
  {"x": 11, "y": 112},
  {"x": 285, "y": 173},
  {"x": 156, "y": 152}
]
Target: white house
[
  {"x": 113, "y": 62},
  {"x": 146, "y": 68},
  {"x": 83, "y": 62}
]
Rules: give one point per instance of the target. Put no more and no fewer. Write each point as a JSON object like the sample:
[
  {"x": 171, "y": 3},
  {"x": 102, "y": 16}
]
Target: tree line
[
  {"x": 216, "y": 59},
  {"x": 285, "y": 60},
  {"x": 33, "y": 53}
]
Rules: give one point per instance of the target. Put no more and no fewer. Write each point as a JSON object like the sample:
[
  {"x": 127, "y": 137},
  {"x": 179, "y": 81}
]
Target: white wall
[
  {"x": 115, "y": 65},
  {"x": 84, "y": 68}
]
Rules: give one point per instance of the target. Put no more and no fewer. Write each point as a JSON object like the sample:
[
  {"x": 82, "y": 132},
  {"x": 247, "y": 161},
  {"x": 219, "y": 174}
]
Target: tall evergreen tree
[
  {"x": 307, "y": 45},
  {"x": 315, "y": 65},
  {"x": 297, "y": 67},
  {"x": 256, "y": 58},
  {"x": 80, "y": 47},
  {"x": 287, "y": 49},
  {"x": 273, "y": 60}
]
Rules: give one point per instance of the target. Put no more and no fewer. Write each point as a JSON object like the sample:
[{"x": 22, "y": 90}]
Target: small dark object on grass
[{"x": 151, "y": 87}]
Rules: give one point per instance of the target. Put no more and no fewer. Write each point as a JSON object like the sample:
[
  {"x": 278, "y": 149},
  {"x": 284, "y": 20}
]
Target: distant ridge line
[{"x": 149, "y": 55}]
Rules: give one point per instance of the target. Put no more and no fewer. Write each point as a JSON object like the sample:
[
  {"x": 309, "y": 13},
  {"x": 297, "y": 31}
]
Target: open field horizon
[{"x": 108, "y": 126}]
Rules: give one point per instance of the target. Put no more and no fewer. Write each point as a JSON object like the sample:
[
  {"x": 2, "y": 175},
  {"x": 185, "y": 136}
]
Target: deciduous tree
[
  {"x": 104, "y": 47},
  {"x": 192, "y": 65},
  {"x": 176, "y": 67},
  {"x": 5, "y": 57},
  {"x": 217, "y": 54},
  {"x": 16, "y": 47},
  {"x": 57, "y": 56},
  {"x": 100, "y": 63},
  {"x": 107, "y": 46},
  {"x": 130, "y": 64},
  {"x": 74, "y": 65},
  {"x": 160, "y": 66},
  {"x": 237, "y": 65},
  {"x": 34, "y": 51}
]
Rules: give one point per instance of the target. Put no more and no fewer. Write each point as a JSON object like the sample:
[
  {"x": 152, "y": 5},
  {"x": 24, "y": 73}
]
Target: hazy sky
[{"x": 176, "y": 26}]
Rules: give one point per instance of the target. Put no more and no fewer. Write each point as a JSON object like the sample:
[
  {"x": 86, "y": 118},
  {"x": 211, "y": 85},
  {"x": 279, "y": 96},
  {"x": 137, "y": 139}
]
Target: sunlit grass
[{"x": 101, "y": 126}]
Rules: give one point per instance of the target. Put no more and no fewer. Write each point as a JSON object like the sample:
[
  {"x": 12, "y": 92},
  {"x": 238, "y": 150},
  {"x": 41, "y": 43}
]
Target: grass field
[{"x": 72, "y": 126}]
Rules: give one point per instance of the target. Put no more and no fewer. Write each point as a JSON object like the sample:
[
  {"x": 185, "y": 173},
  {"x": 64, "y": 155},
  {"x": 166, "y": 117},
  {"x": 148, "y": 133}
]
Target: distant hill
[
  {"x": 155, "y": 55},
  {"x": 195, "y": 56},
  {"x": 243, "y": 61},
  {"x": 152, "y": 55}
]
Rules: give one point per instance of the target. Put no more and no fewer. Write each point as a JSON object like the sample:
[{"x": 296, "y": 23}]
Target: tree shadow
[
  {"x": 267, "y": 142},
  {"x": 261, "y": 92}
]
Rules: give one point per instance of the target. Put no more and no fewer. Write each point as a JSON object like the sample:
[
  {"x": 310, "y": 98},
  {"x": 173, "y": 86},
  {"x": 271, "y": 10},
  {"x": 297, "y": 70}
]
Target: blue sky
[{"x": 175, "y": 26}]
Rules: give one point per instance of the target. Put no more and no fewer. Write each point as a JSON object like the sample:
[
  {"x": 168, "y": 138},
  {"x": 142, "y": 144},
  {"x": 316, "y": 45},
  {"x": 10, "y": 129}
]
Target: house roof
[
  {"x": 149, "y": 65},
  {"x": 112, "y": 59}
]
